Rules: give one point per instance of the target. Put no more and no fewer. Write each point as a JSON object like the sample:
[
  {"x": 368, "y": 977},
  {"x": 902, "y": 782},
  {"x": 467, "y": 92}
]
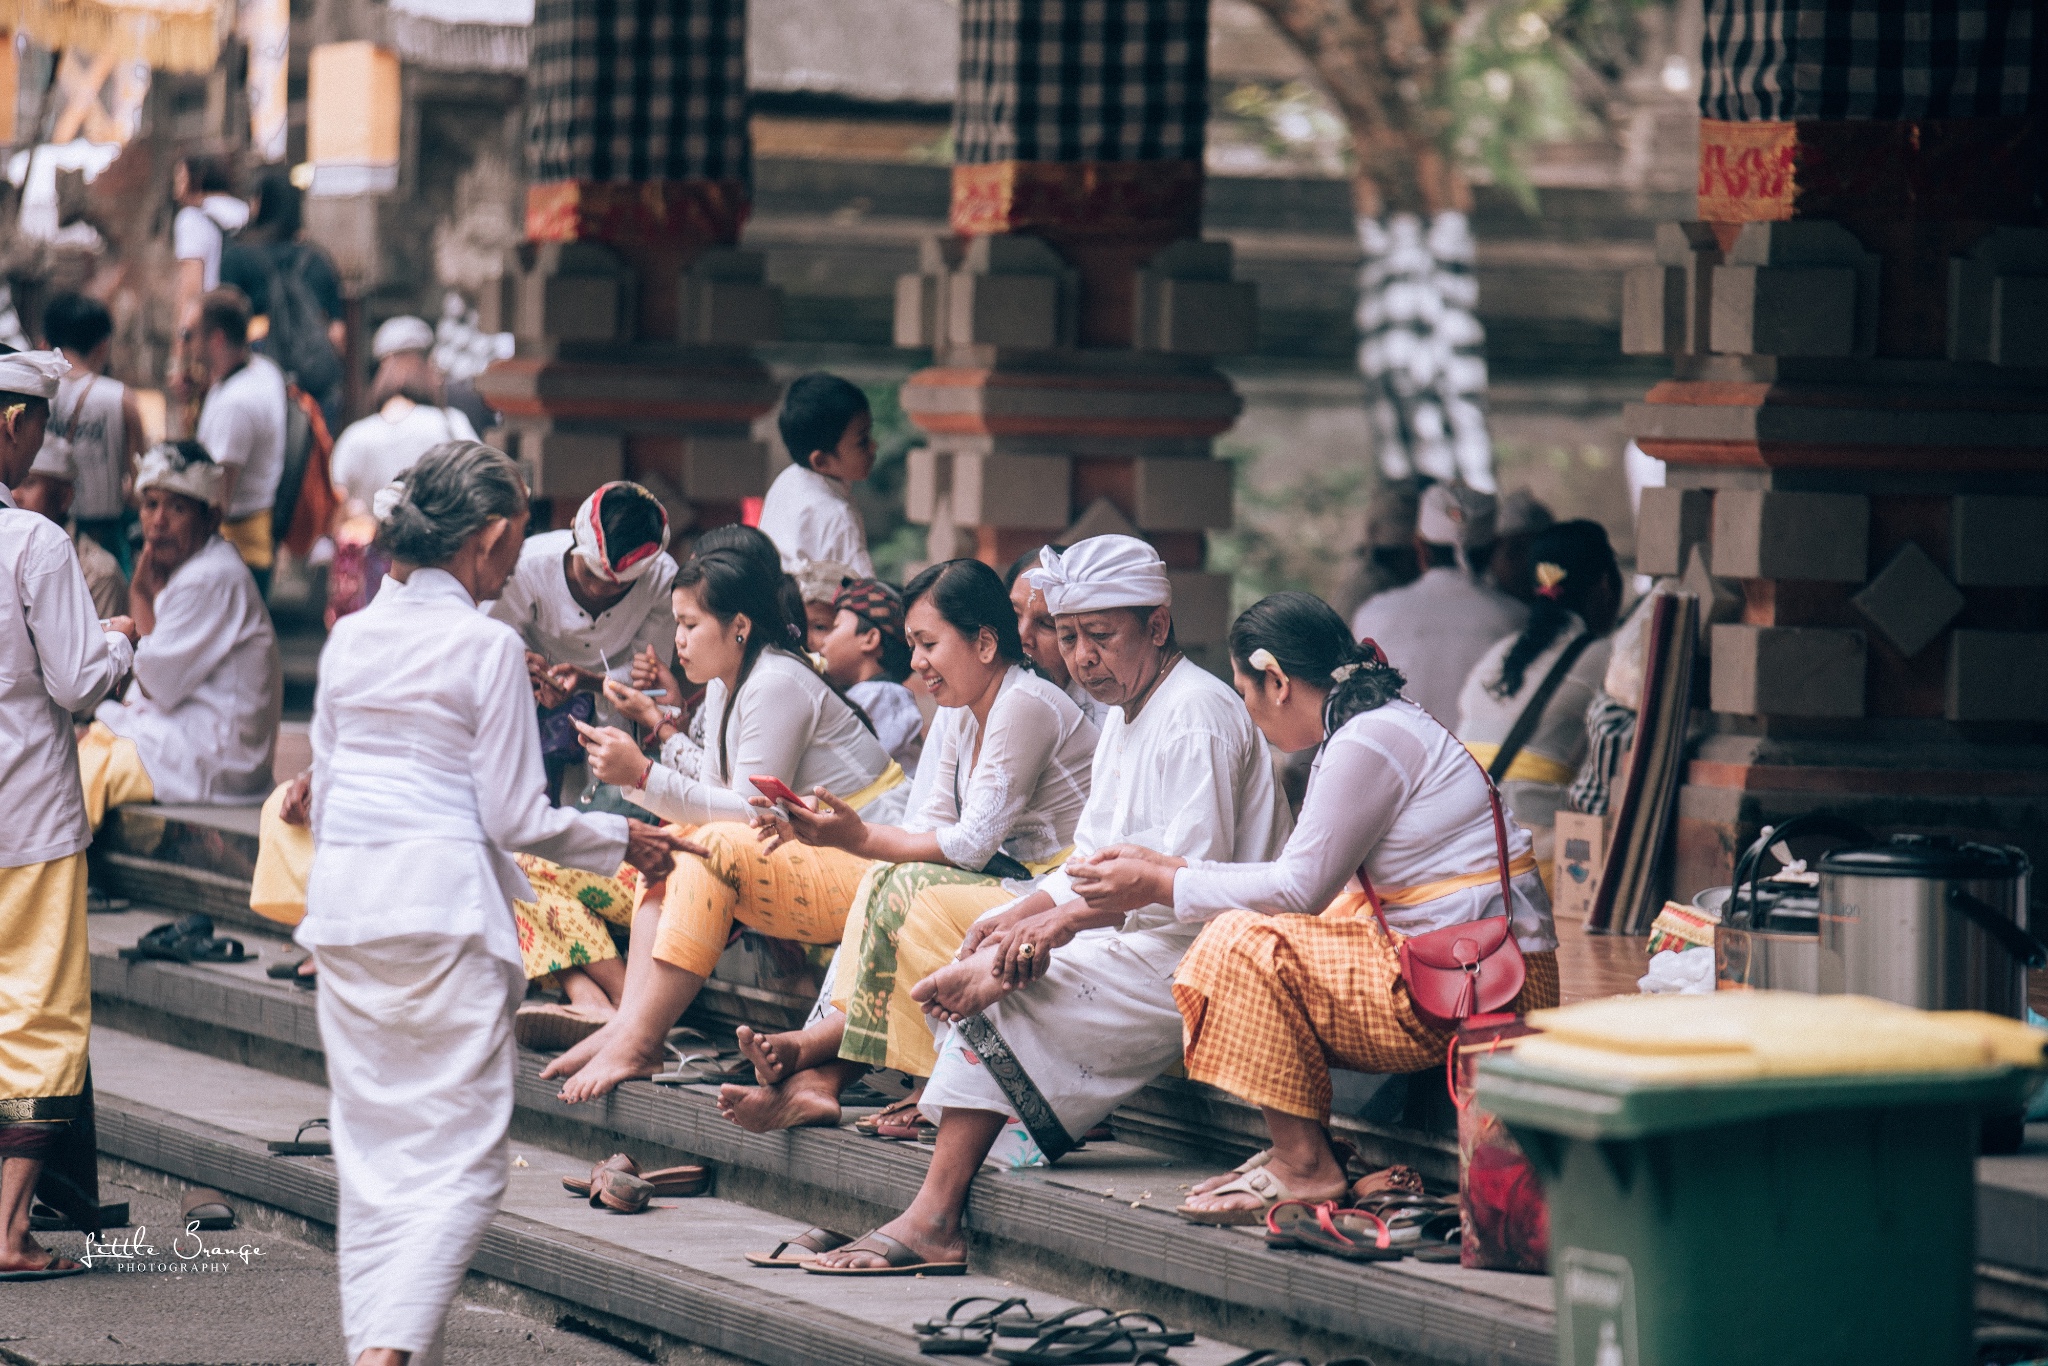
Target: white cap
[
  {"x": 402, "y": 333},
  {"x": 820, "y": 580},
  {"x": 55, "y": 461},
  {"x": 1101, "y": 572},
  {"x": 164, "y": 467},
  {"x": 34, "y": 373},
  {"x": 1454, "y": 515}
]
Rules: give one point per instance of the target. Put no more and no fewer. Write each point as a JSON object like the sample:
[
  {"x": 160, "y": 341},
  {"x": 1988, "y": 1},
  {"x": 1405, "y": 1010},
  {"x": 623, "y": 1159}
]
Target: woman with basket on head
[{"x": 1302, "y": 967}]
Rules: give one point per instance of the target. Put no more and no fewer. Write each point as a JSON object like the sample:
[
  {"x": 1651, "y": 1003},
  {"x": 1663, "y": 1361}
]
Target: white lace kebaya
[{"x": 1025, "y": 793}]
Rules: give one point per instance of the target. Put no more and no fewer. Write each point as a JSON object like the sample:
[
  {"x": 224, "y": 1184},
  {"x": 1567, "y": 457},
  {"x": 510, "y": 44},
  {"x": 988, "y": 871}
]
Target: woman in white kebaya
[
  {"x": 1004, "y": 778},
  {"x": 426, "y": 775},
  {"x": 767, "y": 714}
]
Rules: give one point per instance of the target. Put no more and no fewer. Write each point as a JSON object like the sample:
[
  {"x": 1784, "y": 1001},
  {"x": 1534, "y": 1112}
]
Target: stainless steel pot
[
  {"x": 1930, "y": 922},
  {"x": 1769, "y": 935}
]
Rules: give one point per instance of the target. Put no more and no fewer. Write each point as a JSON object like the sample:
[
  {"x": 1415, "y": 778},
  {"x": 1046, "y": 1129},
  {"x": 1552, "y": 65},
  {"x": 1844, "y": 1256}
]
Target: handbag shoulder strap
[
  {"x": 1532, "y": 713},
  {"x": 1500, "y": 845}
]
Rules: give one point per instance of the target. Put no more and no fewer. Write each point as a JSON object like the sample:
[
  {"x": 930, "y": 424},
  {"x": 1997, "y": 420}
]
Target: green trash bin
[{"x": 1781, "y": 1221}]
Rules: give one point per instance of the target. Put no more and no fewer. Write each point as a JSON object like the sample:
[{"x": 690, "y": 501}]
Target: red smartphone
[{"x": 775, "y": 789}]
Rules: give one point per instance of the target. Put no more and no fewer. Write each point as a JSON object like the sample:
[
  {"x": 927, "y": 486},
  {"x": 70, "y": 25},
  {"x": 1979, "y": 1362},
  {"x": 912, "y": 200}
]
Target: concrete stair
[
  {"x": 193, "y": 858},
  {"x": 1097, "y": 1228}
]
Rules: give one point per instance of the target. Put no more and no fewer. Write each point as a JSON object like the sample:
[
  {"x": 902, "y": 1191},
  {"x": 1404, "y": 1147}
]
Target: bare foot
[
  {"x": 622, "y": 1059},
  {"x": 774, "y": 1055},
  {"x": 959, "y": 989},
  {"x": 928, "y": 1243},
  {"x": 572, "y": 1062},
  {"x": 763, "y": 1109}
]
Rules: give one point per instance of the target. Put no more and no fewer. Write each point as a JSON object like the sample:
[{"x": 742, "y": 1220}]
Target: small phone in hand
[{"x": 775, "y": 789}]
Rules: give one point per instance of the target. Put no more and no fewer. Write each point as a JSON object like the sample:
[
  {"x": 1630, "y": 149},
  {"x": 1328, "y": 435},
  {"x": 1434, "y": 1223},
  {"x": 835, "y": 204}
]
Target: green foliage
[
  {"x": 1507, "y": 87},
  {"x": 892, "y": 541},
  {"x": 1298, "y": 534}
]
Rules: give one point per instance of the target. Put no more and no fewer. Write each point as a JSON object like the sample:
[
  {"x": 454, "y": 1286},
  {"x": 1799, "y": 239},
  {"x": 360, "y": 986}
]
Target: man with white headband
[
  {"x": 1059, "y": 1013},
  {"x": 56, "y": 658},
  {"x": 200, "y": 722},
  {"x": 51, "y": 485},
  {"x": 587, "y": 602},
  {"x": 1435, "y": 629}
]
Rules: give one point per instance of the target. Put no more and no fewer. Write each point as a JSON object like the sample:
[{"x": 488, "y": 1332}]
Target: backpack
[
  {"x": 298, "y": 326},
  {"x": 305, "y": 488}
]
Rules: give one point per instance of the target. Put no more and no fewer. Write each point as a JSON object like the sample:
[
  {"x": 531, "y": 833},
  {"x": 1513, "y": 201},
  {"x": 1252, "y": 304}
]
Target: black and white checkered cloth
[
  {"x": 1082, "y": 80},
  {"x": 1873, "y": 59},
  {"x": 638, "y": 90}
]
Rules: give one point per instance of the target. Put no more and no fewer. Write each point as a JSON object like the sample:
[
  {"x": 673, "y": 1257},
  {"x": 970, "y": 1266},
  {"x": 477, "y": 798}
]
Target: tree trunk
[{"x": 1421, "y": 350}]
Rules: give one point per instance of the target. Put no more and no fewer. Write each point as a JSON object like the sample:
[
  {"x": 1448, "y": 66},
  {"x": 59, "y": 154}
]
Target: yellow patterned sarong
[
  {"x": 798, "y": 892},
  {"x": 1271, "y": 1003},
  {"x": 906, "y": 923},
  {"x": 565, "y": 925}
]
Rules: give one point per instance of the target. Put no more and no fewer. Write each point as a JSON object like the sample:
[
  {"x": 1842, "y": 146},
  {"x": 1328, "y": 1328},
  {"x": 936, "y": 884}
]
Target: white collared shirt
[
  {"x": 427, "y": 776},
  {"x": 209, "y": 688},
  {"x": 54, "y": 660},
  {"x": 536, "y": 602},
  {"x": 1190, "y": 777},
  {"x": 787, "y": 723},
  {"x": 242, "y": 423},
  {"x": 1025, "y": 793},
  {"x": 811, "y": 516}
]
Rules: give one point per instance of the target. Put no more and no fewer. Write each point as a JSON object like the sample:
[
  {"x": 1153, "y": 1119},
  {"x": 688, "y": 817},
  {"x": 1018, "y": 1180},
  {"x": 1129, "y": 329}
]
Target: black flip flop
[
  {"x": 48, "y": 1271},
  {"x": 1026, "y": 1326},
  {"x": 1267, "y": 1357},
  {"x": 1077, "y": 1345},
  {"x": 166, "y": 942},
  {"x": 43, "y": 1219},
  {"x": 296, "y": 1147},
  {"x": 211, "y": 950},
  {"x": 984, "y": 1322}
]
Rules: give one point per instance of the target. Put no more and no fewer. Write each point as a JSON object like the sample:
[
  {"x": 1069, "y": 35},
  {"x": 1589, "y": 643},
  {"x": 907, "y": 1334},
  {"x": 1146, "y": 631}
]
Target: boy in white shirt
[
  {"x": 809, "y": 511},
  {"x": 867, "y": 654}
]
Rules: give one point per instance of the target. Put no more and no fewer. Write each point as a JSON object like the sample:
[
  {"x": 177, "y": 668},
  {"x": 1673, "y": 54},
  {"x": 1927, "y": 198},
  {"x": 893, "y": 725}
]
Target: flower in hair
[
  {"x": 1262, "y": 660},
  {"x": 1344, "y": 671},
  {"x": 386, "y": 500},
  {"x": 1550, "y": 580}
]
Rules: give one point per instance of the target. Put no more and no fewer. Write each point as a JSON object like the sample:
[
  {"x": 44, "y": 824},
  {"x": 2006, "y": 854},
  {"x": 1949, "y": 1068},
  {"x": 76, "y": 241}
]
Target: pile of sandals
[
  {"x": 190, "y": 940},
  {"x": 1072, "y": 1336},
  {"x": 618, "y": 1184}
]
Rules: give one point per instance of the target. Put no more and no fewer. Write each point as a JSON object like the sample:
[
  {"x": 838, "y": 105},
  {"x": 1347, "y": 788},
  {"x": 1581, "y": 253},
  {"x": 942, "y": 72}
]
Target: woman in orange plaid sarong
[{"x": 1292, "y": 975}]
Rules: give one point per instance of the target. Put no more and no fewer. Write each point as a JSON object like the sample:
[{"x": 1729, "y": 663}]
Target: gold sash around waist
[
  {"x": 1527, "y": 767},
  {"x": 892, "y": 777},
  {"x": 1430, "y": 891}
]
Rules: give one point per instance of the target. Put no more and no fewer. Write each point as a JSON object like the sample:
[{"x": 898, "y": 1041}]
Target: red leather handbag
[{"x": 1462, "y": 970}]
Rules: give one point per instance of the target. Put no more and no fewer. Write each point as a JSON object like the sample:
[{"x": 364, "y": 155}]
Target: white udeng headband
[
  {"x": 162, "y": 467},
  {"x": 1099, "y": 573}
]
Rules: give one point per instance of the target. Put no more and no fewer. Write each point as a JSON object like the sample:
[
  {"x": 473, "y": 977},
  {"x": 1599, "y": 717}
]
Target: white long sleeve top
[
  {"x": 786, "y": 723},
  {"x": 811, "y": 516},
  {"x": 54, "y": 660},
  {"x": 1560, "y": 734},
  {"x": 1190, "y": 777},
  {"x": 209, "y": 687},
  {"x": 537, "y": 603},
  {"x": 1395, "y": 791},
  {"x": 427, "y": 776},
  {"x": 1025, "y": 793}
]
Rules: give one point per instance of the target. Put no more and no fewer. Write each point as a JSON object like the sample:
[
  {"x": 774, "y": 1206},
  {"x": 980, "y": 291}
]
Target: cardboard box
[{"x": 1581, "y": 852}]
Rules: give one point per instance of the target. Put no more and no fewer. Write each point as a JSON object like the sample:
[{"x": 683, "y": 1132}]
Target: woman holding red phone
[{"x": 767, "y": 713}]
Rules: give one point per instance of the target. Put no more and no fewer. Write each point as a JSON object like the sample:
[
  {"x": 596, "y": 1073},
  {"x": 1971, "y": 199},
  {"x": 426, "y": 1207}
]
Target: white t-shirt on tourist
[
  {"x": 242, "y": 424},
  {"x": 376, "y": 450}
]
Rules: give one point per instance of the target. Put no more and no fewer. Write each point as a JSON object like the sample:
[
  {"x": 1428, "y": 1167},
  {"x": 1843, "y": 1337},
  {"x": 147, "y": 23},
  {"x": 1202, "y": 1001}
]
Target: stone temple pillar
[
  {"x": 633, "y": 306},
  {"x": 1074, "y": 310},
  {"x": 1857, "y": 423}
]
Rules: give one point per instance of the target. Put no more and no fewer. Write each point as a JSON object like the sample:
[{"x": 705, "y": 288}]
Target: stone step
[
  {"x": 186, "y": 858},
  {"x": 1098, "y": 1226},
  {"x": 677, "y": 1270}
]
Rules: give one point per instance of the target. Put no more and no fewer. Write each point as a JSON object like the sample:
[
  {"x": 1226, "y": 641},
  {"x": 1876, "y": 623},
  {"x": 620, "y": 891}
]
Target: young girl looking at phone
[{"x": 766, "y": 712}]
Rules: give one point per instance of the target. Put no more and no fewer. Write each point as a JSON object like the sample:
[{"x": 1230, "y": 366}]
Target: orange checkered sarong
[{"x": 1272, "y": 1002}]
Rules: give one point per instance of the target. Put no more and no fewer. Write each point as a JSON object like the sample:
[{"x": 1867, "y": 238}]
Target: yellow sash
[
  {"x": 1527, "y": 767},
  {"x": 284, "y": 860},
  {"x": 1430, "y": 891},
  {"x": 1046, "y": 865},
  {"x": 892, "y": 777}
]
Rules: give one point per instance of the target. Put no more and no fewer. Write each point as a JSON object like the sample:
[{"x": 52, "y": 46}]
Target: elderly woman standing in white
[{"x": 426, "y": 771}]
